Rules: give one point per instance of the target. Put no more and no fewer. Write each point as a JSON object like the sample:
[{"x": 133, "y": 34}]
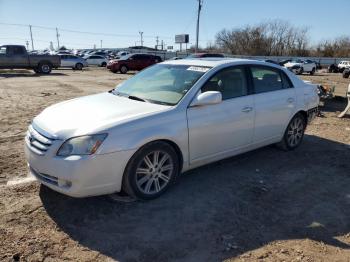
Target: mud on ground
[{"x": 266, "y": 205}]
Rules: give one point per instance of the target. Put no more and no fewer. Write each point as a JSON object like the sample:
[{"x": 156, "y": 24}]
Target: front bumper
[{"x": 78, "y": 176}]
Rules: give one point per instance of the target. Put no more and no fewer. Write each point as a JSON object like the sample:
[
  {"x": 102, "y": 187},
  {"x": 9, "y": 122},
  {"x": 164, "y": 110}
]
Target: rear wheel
[
  {"x": 45, "y": 68},
  {"x": 123, "y": 69},
  {"x": 294, "y": 133},
  {"x": 104, "y": 64},
  {"x": 151, "y": 171}
]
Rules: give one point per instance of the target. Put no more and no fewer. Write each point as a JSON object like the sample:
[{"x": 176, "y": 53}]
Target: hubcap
[
  {"x": 154, "y": 172},
  {"x": 45, "y": 68},
  {"x": 295, "y": 132}
]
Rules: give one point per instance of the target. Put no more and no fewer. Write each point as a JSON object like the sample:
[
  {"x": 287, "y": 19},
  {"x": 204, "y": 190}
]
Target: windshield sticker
[{"x": 198, "y": 69}]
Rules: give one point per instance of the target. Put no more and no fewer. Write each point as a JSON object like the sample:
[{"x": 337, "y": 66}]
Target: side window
[
  {"x": 266, "y": 79},
  {"x": 287, "y": 83},
  {"x": 231, "y": 82}
]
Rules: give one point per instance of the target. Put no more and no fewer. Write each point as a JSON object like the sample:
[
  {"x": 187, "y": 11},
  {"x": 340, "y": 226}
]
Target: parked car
[
  {"x": 342, "y": 65},
  {"x": 96, "y": 60},
  {"x": 123, "y": 53},
  {"x": 132, "y": 62},
  {"x": 204, "y": 55},
  {"x": 271, "y": 61},
  {"x": 333, "y": 68},
  {"x": 167, "y": 119},
  {"x": 283, "y": 62},
  {"x": 16, "y": 57},
  {"x": 73, "y": 62},
  {"x": 346, "y": 73},
  {"x": 299, "y": 66}
]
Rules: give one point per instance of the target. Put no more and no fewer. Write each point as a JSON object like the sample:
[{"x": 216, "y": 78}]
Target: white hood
[
  {"x": 91, "y": 114},
  {"x": 290, "y": 64}
]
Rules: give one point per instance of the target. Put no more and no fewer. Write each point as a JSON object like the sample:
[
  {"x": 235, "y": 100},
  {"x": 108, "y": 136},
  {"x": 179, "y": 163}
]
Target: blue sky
[{"x": 165, "y": 18}]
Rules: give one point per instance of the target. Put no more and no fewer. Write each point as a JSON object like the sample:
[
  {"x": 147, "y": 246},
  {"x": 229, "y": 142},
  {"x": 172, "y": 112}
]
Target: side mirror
[{"x": 207, "y": 98}]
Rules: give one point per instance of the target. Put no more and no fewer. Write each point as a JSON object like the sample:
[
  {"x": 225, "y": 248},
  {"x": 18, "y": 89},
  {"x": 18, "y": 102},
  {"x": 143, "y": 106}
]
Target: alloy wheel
[
  {"x": 154, "y": 172},
  {"x": 295, "y": 132}
]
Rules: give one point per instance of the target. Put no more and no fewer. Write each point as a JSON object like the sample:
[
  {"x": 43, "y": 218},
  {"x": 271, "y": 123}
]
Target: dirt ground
[{"x": 266, "y": 205}]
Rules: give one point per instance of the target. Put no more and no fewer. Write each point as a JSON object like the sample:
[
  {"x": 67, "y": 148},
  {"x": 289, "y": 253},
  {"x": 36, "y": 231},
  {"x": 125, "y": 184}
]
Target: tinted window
[
  {"x": 286, "y": 81},
  {"x": 231, "y": 82},
  {"x": 15, "y": 50},
  {"x": 266, "y": 79}
]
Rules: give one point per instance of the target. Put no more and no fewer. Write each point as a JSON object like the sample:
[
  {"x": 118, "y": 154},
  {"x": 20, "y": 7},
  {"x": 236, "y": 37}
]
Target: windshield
[{"x": 161, "y": 83}]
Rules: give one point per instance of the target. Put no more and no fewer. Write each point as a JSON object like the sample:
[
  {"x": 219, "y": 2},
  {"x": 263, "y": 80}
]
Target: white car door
[
  {"x": 274, "y": 102},
  {"x": 217, "y": 130}
]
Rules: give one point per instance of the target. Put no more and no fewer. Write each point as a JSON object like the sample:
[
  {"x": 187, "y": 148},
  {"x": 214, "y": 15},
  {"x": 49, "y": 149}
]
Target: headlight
[{"x": 81, "y": 145}]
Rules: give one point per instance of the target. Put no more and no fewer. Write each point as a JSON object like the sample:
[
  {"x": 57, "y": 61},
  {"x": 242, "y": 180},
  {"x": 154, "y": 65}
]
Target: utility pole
[
  {"x": 31, "y": 36},
  {"x": 157, "y": 41},
  {"x": 162, "y": 45},
  {"x": 200, "y": 4},
  {"x": 27, "y": 44},
  {"x": 58, "y": 39},
  {"x": 141, "y": 34},
  {"x": 101, "y": 44}
]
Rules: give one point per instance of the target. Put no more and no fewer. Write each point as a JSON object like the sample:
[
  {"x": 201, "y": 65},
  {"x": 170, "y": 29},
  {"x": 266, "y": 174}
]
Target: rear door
[
  {"x": 215, "y": 131},
  {"x": 274, "y": 101},
  {"x": 64, "y": 61}
]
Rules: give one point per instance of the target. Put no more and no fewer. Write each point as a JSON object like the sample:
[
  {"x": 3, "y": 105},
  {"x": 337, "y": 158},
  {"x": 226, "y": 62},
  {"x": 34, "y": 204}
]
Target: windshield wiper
[{"x": 137, "y": 98}]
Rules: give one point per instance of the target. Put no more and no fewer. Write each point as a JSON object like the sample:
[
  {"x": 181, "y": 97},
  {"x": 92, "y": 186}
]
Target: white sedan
[
  {"x": 96, "y": 60},
  {"x": 165, "y": 120}
]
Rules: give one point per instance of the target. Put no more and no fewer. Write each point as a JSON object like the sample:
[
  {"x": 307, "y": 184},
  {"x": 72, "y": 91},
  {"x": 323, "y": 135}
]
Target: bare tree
[{"x": 276, "y": 37}]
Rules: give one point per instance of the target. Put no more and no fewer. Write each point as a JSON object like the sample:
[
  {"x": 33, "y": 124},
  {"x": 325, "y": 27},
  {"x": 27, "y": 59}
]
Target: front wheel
[
  {"x": 313, "y": 71},
  {"x": 79, "y": 66},
  {"x": 123, "y": 69},
  {"x": 151, "y": 171},
  {"x": 293, "y": 136}
]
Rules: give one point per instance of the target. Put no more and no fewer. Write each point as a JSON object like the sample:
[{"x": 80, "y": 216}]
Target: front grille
[
  {"x": 38, "y": 142},
  {"x": 44, "y": 177}
]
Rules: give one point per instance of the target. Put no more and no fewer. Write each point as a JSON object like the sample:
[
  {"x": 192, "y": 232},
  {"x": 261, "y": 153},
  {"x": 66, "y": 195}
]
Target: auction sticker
[{"x": 198, "y": 69}]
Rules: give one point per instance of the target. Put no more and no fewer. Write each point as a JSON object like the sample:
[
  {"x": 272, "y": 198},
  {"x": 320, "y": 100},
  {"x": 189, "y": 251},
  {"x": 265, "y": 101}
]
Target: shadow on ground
[
  {"x": 249, "y": 201},
  {"x": 25, "y": 73}
]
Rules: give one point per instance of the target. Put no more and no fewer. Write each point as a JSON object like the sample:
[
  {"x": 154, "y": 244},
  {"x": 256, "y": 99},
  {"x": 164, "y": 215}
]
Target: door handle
[
  {"x": 290, "y": 100},
  {"x": 247, "y": 109}
]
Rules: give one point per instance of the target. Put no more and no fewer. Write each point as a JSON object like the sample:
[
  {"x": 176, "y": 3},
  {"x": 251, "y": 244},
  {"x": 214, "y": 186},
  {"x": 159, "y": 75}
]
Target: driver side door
[{"x": 218, "y": 131}]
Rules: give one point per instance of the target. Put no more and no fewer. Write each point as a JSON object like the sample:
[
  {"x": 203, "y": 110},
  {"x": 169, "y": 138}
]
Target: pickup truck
[{"x": 17, "y": 57}]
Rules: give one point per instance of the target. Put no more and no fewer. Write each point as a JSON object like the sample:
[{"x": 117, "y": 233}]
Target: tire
[
  {"x": 293, "y": 136},
  {"x": 301, "y": 71},
  {"x": 123, "y": 69},
  {"x": 143, "y": 177},
  {"x": 313, "y": 71},
  {"x": 45, "y": 68},
  {"x": 104, "y": 64},
  {"x": 79, "y": 66},
  {"x": 346, "y": 74}
]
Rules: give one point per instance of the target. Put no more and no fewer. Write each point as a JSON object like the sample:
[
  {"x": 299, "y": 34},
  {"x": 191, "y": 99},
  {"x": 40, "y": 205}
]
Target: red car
[{"x": 132, "y": 62}]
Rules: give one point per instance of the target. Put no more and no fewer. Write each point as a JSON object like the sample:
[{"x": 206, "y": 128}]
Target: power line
[{"x": 83, "y": 32}]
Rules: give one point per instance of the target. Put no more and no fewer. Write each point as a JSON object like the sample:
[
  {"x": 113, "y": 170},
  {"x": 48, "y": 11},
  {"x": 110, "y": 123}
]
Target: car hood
[
  {"x": 290, "y": 64},
  {"x": 90, "y": 114}
]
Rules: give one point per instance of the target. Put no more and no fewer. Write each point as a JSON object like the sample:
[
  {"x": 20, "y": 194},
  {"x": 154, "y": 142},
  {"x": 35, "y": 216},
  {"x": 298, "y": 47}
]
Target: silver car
[
  {"x": 169, "y": 118},
  {"x": 73, "y": 62}
]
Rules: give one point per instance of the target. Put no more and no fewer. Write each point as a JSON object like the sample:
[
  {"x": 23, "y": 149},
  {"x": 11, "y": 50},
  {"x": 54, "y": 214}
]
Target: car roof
[{"x": 214, "y": 62}]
